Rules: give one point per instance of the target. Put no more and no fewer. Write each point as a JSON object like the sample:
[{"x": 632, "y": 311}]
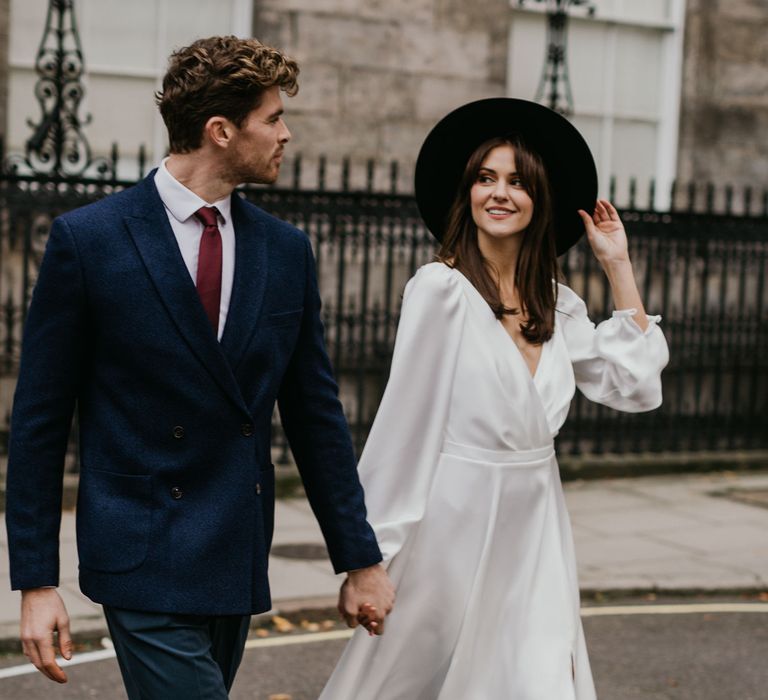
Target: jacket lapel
[
  {"x": 151, "y": 231},
  {"x": 249, "y": 282}
]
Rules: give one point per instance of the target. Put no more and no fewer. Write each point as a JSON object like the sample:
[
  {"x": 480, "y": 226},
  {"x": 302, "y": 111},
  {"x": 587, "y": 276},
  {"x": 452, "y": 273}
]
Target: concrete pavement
[{"x": 691, "y": 533}]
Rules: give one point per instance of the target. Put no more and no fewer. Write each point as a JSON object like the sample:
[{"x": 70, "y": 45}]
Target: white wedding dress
[{"x": 463, "y": 491}]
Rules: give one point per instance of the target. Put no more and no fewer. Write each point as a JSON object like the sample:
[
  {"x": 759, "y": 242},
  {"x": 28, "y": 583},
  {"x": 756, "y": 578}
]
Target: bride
[{"x": 460, "y": 475}]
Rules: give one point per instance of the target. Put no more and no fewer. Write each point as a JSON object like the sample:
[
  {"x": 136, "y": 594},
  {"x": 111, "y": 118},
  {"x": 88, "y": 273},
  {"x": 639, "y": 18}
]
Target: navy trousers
[{"x": 177, "y": 657}]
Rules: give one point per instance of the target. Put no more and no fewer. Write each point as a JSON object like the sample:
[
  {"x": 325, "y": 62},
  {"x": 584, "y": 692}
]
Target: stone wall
[
  {"x": 724, "y": 110},
  {"x": 376, "y": 75}
]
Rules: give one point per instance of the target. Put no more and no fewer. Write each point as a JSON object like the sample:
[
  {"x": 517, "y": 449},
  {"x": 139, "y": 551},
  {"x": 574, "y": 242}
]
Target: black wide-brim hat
[{"x": 566, "y": 156}]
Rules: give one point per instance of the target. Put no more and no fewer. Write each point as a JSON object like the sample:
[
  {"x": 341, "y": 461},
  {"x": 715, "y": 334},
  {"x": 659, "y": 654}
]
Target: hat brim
[{"x": 566, "y": 156}]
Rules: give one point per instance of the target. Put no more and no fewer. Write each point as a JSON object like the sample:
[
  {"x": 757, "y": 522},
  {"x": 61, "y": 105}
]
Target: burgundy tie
[{"x": 209, "y": 265}]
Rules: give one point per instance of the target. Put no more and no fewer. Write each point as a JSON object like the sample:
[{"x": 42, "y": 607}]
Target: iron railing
[{"x": 702, "y": 267}]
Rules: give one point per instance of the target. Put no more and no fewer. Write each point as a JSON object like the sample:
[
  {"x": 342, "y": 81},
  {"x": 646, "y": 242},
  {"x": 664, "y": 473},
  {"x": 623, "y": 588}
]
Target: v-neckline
[
  {"x": 519, "y": 352},
  {"x": 503, "y": 330}
]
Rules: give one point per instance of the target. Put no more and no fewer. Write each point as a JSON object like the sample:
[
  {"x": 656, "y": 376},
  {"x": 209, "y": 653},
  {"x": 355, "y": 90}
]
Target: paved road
[{"x": 705, "y": 655}]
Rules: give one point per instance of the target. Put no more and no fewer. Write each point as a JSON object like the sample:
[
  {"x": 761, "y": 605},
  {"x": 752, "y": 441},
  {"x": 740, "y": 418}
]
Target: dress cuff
[{"x": 629, "y": 314}]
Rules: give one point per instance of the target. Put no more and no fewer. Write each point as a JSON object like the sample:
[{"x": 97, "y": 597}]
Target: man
[{"x": 174, "y": 314}]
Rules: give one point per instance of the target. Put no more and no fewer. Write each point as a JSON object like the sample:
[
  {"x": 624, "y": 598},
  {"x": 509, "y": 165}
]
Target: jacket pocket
[
  {"x": 284, "y": 318},
  {"x": 114, "y": 517}
]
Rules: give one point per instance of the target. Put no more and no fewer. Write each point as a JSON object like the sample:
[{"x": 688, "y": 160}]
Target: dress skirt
[{"x": 494, "y": 617}]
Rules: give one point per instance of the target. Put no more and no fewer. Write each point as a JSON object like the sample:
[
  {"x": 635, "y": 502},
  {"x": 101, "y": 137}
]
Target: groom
[{"x": 174, "y": 315}]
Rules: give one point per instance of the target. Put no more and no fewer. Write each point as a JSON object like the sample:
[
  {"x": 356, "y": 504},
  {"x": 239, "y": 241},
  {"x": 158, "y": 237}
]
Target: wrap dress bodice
[{"x": 463, "y": 491}]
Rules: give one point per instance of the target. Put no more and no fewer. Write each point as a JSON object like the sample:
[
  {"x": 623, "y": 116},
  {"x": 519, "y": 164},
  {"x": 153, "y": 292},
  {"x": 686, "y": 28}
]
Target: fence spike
[
  {"x": 142, "y": 160},
  {"x": 9, "y": 313},
  {"x": 321, "y": 173},
  {"x": 297, "y": 172},
  {"x": 710, "y": 197},
  {"x": 691, "y": 196},
  {"x": 345, "y": 174},
  {"x": 394, "y": 168},
  {"x": 370, "y": 169},
  {"x": 113, "y": 157}
]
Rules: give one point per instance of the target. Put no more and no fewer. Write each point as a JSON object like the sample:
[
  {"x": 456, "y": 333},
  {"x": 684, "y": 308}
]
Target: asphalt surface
[{"x": 662, "y": 654}]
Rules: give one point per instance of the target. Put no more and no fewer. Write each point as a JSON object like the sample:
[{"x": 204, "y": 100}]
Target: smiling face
[{"x": 501, "y": 206}]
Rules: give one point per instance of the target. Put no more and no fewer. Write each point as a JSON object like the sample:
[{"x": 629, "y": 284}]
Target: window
[{"x": 624, "y": 65}]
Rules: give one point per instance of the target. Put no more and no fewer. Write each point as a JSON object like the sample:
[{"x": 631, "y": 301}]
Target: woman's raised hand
[
  {"x": 609, "y": 243},
  {"x": 606, "y": 233}
]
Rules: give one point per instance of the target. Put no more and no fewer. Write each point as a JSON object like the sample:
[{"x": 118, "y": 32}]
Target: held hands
[
  {"x": 366, "y": 598},
  {"x": 42, "y": 614},
  {"x": 606, "y": 234}
]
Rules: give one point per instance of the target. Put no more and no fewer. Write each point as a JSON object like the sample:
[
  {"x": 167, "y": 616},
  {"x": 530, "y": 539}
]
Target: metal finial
[
  {"x": 58, "y": 146},
  {"x": 554, "y": 86}
]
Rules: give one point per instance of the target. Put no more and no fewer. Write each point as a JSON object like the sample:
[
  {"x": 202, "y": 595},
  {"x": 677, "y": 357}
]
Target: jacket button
[
  {"x": 176, "y": 493},
  {"x": 258, "y": 489},
  {"x": 178, "y": 432},
  {"x": 246, "y": 429}
]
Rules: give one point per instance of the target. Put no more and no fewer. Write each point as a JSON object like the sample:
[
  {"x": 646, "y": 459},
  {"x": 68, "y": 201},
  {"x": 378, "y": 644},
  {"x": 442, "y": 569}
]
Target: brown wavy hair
[
  {"x": 537, "y": 265},
  {"x": 218, "y": 76}
]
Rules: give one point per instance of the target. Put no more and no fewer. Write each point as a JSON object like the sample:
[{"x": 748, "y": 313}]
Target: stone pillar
[
  {"x": 724, "y": 110},
  {"x": 5, "y": 6}
]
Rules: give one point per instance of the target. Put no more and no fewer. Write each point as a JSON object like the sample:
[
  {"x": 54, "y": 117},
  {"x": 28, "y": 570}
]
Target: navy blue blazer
[{"x": 176, "y": 497}]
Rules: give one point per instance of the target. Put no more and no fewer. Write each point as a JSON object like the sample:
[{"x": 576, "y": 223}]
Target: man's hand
[
  {"x": 366, "y": 598},
  {"x": 42, "y": 614}
]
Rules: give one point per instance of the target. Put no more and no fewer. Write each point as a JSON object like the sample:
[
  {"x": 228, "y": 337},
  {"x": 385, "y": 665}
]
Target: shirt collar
[{"x": 182, "y": 202}]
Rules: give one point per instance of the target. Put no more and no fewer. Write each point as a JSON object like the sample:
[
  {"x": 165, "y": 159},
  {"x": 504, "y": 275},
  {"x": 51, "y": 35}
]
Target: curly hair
[{"x": 218, "y": 76}]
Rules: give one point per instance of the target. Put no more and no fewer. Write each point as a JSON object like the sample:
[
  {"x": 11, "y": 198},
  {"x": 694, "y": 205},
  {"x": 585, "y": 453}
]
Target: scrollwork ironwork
[
  {"x": 554, "y": 85},
  {"x": 58, "y": 146}
]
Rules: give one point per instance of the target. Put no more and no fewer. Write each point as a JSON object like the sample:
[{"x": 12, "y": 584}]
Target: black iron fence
[{"x": 701, "y": 265}]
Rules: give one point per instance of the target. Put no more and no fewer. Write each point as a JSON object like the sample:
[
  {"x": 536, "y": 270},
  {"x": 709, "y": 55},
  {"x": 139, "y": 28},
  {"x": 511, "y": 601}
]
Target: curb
[
  {"x": 89, "y": 632},
  {"x": 616, "y": 466},
  {"x": 605, "y": 595}
]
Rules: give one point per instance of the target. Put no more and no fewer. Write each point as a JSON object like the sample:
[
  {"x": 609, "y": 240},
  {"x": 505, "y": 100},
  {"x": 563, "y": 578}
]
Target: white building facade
[{"x": 376, "y": 76}]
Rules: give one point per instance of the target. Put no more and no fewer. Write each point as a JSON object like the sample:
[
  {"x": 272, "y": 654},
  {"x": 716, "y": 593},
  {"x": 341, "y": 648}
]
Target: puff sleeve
[
  {"x": 616, "y": 363},
  {"x": 403, "y": 447}
]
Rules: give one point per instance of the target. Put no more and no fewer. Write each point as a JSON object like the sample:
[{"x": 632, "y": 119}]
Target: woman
[{"x": 459, "y": 471}]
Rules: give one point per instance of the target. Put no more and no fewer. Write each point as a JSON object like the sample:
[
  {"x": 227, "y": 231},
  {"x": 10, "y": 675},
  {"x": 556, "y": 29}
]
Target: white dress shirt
[{"x": 180, "y": 206}]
